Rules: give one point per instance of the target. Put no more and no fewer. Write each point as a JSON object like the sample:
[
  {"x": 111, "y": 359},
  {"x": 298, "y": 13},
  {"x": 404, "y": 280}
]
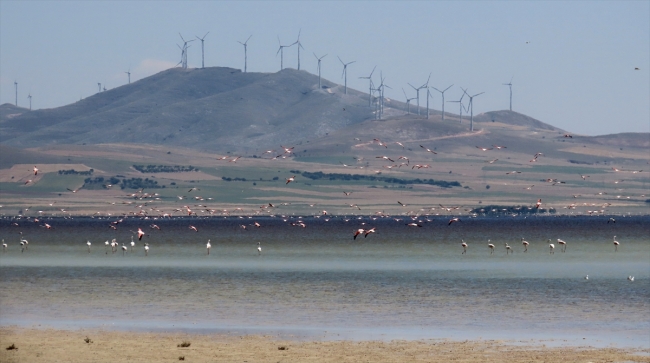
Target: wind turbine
[
  {"x": 345, "y": 73},
  {"x": 443, "y": 99},
  {"x": 99, "y": 85},
  {"x": 370, "y": 88},
  {"x": 319, "y": 59},
  {"x": 509, "y": 84},
  {"x": 202, "y": 53},
  {"x": 16, "y": 86},
  {"x": 245, "y": 44},
  {"x": 299, "y": 46},
  {"x": 408, "y": 102},
  {"x": 128, "y": 73},
  {"x": 30, "y": 100},
  {"x": 381, "y": 88},
  {"x": 471, "y": 109},
  {"x": 184, "y": 51},
  {"x": 281, "y": 51},
  {"x": 426, "y": 85},
  {"x": 417, "y": 91},
  {"x": 461, "y": 106}
]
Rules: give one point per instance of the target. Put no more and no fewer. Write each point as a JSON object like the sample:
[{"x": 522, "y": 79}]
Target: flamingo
[
  {"x": 454, "y": 220},
  {"x": 491, "y": 246},
  {"x": 208, "y": 246},
  {"x": 106, "y": 245},
  {"x": 146, "y": 249},
  {"x": 289, "y": 180},
  {"x": 630, "y": 278},
  {"x": 369, "y": 231},
  {"x": 464, "y": 244},
  {"x": 194, "y": 228},
  {"x": 35, "y": 170},
  {"x": 551, "y": 247},
  {"x": 23, "y": 245},
  {"x": 259, "y": 248},
  {"x": 140, "y": 234},
  {"x": 132, "y": 243},
  {"x": 525, "y": 243},
  {"x": 562, "y": 243},
  {"x": 616, "y": 244},
  {"x": 587, "y": 277},
  {"x": 4, "y": 246},
  {"x": 509, "y": 249},
  {"x": 124, "y": 248},
  {"x": 358, "y": 232},
  {"x": 428, "y": 150},
  {"x": 88, "y": 243}
]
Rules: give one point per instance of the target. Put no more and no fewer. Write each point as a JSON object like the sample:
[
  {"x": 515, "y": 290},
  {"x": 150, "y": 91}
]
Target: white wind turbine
[
  {"x": 509, "y": 84},
  {"x": 202, "y": 49},
  {"x": 370, "y": 87},
  {"x": 345, "y": 73},
  {"x": 443, "y": 99},
  {"x": 245, "y": 44},
  {"x": 471, "y": 109},
  {"x": 319, "y": 59}
]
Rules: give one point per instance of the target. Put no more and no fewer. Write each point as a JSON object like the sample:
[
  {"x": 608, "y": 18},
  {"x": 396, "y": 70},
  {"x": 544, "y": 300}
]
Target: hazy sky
[{"x": 572, "y": 64}]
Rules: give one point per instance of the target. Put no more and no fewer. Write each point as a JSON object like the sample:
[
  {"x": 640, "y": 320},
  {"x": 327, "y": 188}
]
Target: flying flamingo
[
  {"x": 208, "y": 246},
  {"x": 630, "y": 278},
  {"x": 35, "y": 170},
  {"x": 259, "y": 249},
  {"x": 491, "y": 246},
  {"x": 562, "y": 243},
  {"x": 140, "y": 234},
  {"x": 428, "y": 150},
  {"x": 454, "y": 220},
  {"x": 358, "y": 232},
  {"x": 289, "y": 180},
  {"x": 464, "y": 244},
  {"x": 525, "y": 243},
  {"x": 369, "y": 231},
  {"x": 616, "y": 244},
  {"x": 194, "y": 229},
  {"x": 88, "y": 243}
]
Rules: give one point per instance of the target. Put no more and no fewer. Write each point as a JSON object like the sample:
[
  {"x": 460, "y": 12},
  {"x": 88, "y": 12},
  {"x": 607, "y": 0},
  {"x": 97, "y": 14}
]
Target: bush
[{"x": 184, "y": 344}]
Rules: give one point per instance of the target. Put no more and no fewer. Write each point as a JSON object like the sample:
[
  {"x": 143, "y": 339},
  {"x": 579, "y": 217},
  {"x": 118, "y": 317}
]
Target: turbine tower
[
  {"x": 99, "y": 85},
  {"x": 245, "y": 44},
  {"x": 202, "y": 51},
  {"x": 128, "y": 73},
  {"x": 319, "y": 59},
  {"x": 16, "y": 86},
  {"x": 426, "y": 85},
  {"x": 408, "y": 102},
  {"x": 345, "y": 73},
  {"x": 509, "y": 84},
  {"x": 297, "y": 42},
  {"x": 471, "y": 109},
  {"x": 370, "y": 88},
  {"x": 30, "y": 100},
  {"x": 443, "y": 99},
  {"x": 417, "y": 91}
]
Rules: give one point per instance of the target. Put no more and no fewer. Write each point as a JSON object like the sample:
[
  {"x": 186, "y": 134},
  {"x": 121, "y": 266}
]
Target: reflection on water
[{"x": 402, "y": 282}]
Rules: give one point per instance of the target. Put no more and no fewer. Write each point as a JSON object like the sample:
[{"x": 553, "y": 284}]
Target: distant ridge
[{"x": 224, "y": 109}]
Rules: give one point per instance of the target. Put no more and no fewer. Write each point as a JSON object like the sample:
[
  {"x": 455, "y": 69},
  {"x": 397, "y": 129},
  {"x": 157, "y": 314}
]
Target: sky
[{"x": 571, "y": 64}]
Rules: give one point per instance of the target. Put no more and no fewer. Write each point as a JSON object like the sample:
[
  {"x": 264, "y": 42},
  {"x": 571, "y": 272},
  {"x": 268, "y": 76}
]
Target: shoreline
[{"x": 104, "y": 345}]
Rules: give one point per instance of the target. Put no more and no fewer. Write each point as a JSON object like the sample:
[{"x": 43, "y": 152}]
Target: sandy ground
[{"x": 41, "y": 345}]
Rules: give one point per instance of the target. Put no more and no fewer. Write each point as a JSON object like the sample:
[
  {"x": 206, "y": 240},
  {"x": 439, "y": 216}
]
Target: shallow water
[{"x": 399, "y": 283}]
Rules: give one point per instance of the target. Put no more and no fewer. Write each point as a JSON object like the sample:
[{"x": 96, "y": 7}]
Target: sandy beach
[{"x": 47, "y": 345}]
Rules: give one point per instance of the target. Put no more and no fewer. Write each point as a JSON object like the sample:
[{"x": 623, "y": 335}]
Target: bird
[
  {"x": 630, "y": 278},
  {"x": 193, "y": 228},
  {"x": 400, "y": 203},
  {"x": 132, "y": 243},
  {"x": 369, "y": 231},
  {"x": 358, "y": 232},
  {"x": 414, "y": 224},
  {"x": 4, "y": 246},
  {"x": 587, "y": 277},
  {"x": 509, "y": 249},
  {"x": 456, "y": 219},
  {"x": 464, "y": 244},
  {"x": 484, "y": 148},
  {"x": 146, "y": 249},
  {"x": 259, "y": 249},
  {"x": 140, "y": 234},
  {"x": 636, "y": 68},
  {"x": 347, "y": 193},
  {"x": 568, "y": 135},
  {"x": 385, "y": 158},
  {"x": 35, "y": 170},
  {"x": 616, "y": 244},
  {"x": 23, "y": 245},
  {"x": 551, "y": 247},
  {"x": 428, "y": 150},
  {"x": 289, "y": 180},
  {"x": 88, "y": 243},
  {"x": 611, "y": 220},
  {"x": 208, "y": 246},
  {"x": 525, "y": 243},
  {"x": 124, "y": 249},
  {"x": 539, "y": 203},
  {"x": 562, "y": 243}
]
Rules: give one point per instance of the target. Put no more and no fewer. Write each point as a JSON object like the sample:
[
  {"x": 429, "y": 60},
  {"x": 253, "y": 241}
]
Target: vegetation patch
[
  {"x": 74, "y": 172},
  {"x": 184, "y": 344},
  {"x": 357, "y": 177},
  {"x": 164, "y": 168}
]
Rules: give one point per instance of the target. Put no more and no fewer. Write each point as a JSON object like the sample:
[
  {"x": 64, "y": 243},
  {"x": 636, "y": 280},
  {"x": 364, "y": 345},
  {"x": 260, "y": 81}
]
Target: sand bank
[{"x": 46, "y": 345}]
